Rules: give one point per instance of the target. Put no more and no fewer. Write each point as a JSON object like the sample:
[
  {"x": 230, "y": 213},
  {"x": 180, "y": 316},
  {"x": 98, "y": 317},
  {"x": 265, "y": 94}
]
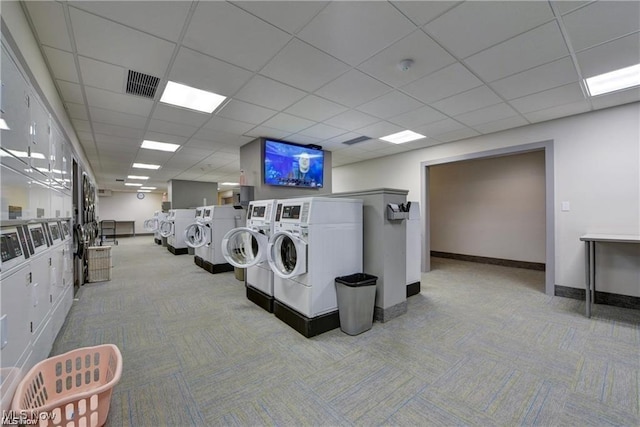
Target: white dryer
[
  {"x": 195, "y": 236},
  {"x": 246, "y": 247},
  {"x": 15, "y": 293},
  {"x": 315, "y": 240},
  {"x": 153, "y": 225},
  {"x": 206, "y": 235},
  {"x": 172, "y": 227}
]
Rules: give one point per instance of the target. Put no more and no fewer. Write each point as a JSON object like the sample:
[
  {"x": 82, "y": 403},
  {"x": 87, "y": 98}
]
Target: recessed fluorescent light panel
[
  {"x": 148, "y": 188},
  {"x": 189, "y": 97},
  {"x": 144, "y": 191},
  {"x": 229, "y": 183},
  {"x": 402, "y": 137},
  {"x": 4, "y": 125},
  {"x": 145, "y": 166},
  {"x": 613, "y": 81},
  {"x": 160, "y": 146},
  {"x": 132, "y": 184},
  {"x": 137, "y": 177}
]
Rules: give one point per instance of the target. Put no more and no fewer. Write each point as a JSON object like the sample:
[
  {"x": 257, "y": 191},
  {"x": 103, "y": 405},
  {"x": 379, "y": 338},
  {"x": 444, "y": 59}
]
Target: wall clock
[{"x": 140, "y": 196}]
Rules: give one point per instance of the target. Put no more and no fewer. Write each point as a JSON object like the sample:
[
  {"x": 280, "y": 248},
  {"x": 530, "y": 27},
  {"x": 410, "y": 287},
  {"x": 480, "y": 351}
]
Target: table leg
[
  {"x": 587, "y": 277},
  {"x": 592, "y": 263}
]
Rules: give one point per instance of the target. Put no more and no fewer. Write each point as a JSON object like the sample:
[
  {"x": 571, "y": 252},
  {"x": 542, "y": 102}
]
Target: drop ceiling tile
[
  {"x": 229, "y": 33},
  {"x": 102, "y": 138},
  {"x": 303, "y": 66},
  {"x": 467, "y": 101},
  {"x": 154, "y": 158},
  {"x": 474, "y": 26},
  {"x": 610, "y": 56},
  {"x": 102, "y": 75},
  {"x": 417, "y": 117},
  {"x": 70, "y": 92},
  {"x": 62, "y": 64},
  {"x": 117, "y": 118},
  {"x": 616, "y": 98},
  {"x": 269, "y": 93},
  {"x": 220, "y": 137},
  {"x": 290, "y": 16},
  {"x": 315, "y": 108},
  {"x": 171, "y": 128},
  {"x": 559, "y": 111},
  {"x": 204, "y": 72},
  {"x": 299, "y": 138},
  {"x": 76, "y": 111},
  {"x": 426, "y": 54},
  {"x": 245, "y": 112},
  {"x": 389, "y": 105},
  {"x": 531, "y": 49},
  {"x": 440, "y": 127},
  {"x": 379, "y": 129},
  {"x": 322, "y": 131},
  {"x": 447, "y": 82},
  {"x": 223, "y": 124},
  {"x": 287, "y": 122},
  {"x": 116, "y": 149},
  {"x": 457, "y": 135},
  {"x": 549, "y": 98},
  {"x": 488, "y": 114},
  {"x": 163, "y": 19},
  {"x": 548, "y": 76},
  {"x": 164, "y": 137},
  {"x": 351, "y": 120},
  {"x": 179, "y": 115},
  {"x": 373, "y": 145},
  {"x": 120, "y": 45},
  {"x": 48, "y": 20},
  {"x": 353, "y": 21},
  {"x": 81, "y": 125},
  {"x": 115, "y": 130},
  {"x": 502, "y": 124},
  {"x": 353, "y": 88},
  {"x": 421, "y": 12},
  {"x": 601, "y": 22},
  {"x": 118, "y": 102}
]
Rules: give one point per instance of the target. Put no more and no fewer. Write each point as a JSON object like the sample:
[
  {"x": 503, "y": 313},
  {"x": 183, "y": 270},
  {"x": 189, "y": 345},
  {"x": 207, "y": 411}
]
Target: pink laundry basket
[{"x": 72, "y": 389}]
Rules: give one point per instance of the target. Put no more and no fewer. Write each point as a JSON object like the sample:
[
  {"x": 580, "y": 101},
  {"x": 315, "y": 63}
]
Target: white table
[{"x": 590, "y": 259}]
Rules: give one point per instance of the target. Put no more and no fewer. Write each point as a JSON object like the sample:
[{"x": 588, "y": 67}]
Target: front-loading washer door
[
  {"x": 287, "y": 255},
  {"x": 166, "y": 228},
  {"x": 197, "y": 235},
  {"x": 243, "y": 247}
]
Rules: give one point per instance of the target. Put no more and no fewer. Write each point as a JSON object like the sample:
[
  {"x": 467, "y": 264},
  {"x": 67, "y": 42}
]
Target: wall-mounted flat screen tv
[{"x": 293, "y": 165}]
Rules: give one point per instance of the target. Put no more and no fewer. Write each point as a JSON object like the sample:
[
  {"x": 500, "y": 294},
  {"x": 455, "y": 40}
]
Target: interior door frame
[{"x": 547, "y": 146}]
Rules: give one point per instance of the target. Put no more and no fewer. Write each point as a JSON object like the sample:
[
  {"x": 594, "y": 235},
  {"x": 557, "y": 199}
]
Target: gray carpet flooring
[{"x": 480, "y": 345}]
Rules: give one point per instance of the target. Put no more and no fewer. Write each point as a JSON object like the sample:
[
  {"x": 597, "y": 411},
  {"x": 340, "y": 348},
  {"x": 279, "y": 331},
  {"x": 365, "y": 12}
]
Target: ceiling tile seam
[
  {"x": 572, "y": 53},
  {"x": 275, "y": 26},
  {"x": 165, "y": 77},
  {"x": 581, "y": 6},
  {"x": 76, "y": 60},
  {"x": 393, "y": 3},
  {"x": 609, "y": 40}
]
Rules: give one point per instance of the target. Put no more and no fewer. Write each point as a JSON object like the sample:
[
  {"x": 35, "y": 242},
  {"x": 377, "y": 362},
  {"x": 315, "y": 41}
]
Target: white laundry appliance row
[
  {"x": 206, "y": 233},
  {"x": 172, "y": 228},
  {"x": 36, "y": 273},
  {"x": 153, "y": 225},
  {"x": 307, "y": 243}
]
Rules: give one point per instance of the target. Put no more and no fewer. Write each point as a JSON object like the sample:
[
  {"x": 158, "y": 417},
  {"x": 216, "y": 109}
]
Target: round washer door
[
  {"x": 243, "y": 247},
  {"x": 287, "y": 255},
  {"x": 197, "y": 235},
  {"x": 166, "y": 228}
]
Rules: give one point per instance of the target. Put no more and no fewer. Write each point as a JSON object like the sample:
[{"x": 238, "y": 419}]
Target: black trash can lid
[{"x": 357, "y": 279}]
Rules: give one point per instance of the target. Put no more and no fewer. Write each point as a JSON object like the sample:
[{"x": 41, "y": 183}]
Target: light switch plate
[{"x": 565, "y": 206}]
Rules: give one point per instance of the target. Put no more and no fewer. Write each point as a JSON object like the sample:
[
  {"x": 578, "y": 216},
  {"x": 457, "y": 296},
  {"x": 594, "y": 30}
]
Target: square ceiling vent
[{"x": 140, "y": 84}]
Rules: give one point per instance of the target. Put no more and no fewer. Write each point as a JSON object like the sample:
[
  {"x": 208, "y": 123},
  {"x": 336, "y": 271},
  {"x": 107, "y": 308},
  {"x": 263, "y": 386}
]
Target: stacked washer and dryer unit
[
  {"x": 246, "y": 247},
  {"x": 313, "y": 240},
  {"x": 206, "y": 235},
  {"x": 172, "y": 229}
]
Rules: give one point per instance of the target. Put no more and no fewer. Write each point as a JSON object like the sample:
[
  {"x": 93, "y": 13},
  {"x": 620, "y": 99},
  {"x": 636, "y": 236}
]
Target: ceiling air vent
[
  {"x": 356, "y": 140},
  {"x": 142, "y": 84}
]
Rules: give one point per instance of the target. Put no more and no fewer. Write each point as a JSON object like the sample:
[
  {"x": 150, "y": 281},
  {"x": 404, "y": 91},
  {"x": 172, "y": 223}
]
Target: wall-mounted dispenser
[{"x": 398, "y": 212}]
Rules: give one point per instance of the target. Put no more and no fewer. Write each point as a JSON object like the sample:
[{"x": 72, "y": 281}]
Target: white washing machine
[
  {"x": 172, "y": 227},
  {"x": 246, "y": 247},
  {"x": 153, "y": 225},
  {"x": 15, "y": 295},
  {"x": 315, "y": 240},
  {"x": 206, "y": 235}
]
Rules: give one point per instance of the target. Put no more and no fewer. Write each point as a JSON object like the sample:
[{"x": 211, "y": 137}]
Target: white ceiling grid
[{"x": 322, "y": 73}]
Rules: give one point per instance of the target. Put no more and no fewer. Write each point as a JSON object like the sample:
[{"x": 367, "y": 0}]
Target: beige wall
[
  {"x": 124, "y": 206},
  {"x": 489, "y": 207}
]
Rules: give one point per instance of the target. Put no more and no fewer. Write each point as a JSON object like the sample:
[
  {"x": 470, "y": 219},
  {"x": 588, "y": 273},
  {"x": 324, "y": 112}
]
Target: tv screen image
[{"x": 293, "y": 165}]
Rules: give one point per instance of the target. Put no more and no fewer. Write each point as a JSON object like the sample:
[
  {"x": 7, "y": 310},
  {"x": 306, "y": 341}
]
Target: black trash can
[{"x": 356, "y": 298}]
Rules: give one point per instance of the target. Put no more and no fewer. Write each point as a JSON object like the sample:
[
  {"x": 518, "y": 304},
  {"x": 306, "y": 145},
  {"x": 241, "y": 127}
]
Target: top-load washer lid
[
  {"x": 166, "y": 228},
  {"x": 287, "y": 255},
  {"x": 244, "y": 247},
  {"x": 197, "y": 235}
]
